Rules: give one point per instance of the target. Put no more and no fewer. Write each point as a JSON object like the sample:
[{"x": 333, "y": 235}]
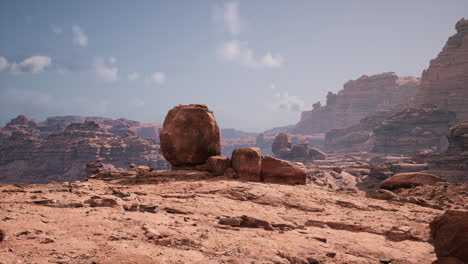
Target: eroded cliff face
[
  {"x": 119, "y": 127},
  {"x": 445, "y": 82},
  {"x": 414, "y": 130},
  {"x": 357, "y": 99},
  {"x": 63, "y": 156}
]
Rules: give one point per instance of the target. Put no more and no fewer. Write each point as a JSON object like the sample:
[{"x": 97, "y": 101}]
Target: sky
[{"x": 256, "y": 64}]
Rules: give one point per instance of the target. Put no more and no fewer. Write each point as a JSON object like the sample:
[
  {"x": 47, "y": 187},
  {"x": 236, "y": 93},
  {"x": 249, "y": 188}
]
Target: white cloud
[
  {"x": 158, "y": 77},
  {"x": 134, "y": 76},
  {"x": 137, "y": 102},
  {"x": 286, "y": 102},
  {"x": 3, "y": 63},
  {"x": 32, "y": 64},
  {"x": 235, "y": 50},
  {"x": 104, "y": 71},
  {"x": 229, "y": 15},
  {"x": 80, "y": 36},
  {"x": 239, "y": 52},
  {"x": 56, "y": 29},
  {"x": 112, "y": 60}
]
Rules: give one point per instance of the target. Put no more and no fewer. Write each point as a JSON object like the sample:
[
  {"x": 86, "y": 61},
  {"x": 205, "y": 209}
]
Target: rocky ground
[{"x": 165, "y": 218}]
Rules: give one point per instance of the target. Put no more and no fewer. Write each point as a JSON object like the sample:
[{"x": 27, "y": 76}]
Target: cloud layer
[
  {"x": 105, "y": 71},
  {"x": 235, "y": 50},
  {"x": 158, "y": 77},
  {"x": 240, "y": 53},
  {"x": 32, "y": 64},
  {"x": 3, "y": 63},
  {"x": 80, "y": 36}
]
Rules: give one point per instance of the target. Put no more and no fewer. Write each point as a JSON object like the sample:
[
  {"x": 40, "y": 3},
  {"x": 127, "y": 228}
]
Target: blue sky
[{"x": 256, "y": 64}]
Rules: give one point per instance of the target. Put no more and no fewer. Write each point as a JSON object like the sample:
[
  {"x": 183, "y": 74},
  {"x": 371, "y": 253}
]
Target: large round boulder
[
  {"x": 190, "y": 135},
  {"x": 449, "y": 233},
  {"x": 284, "y": 172},
  {"x": 247, "y": 162},
  {"x": 409, "y": 180}
]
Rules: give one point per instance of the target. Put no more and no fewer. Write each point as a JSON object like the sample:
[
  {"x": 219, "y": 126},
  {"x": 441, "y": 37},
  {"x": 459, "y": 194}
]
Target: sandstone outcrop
[
  {"x": 358, "y": 137},
  {"x": 453, "y": 163},
  {"x": 281, "y": 144},
  {"x": 409, "y": 180},
  {"x": 281, "y": 171},
  {"x": 218, "y": 164},
  {"x": 450, "y": 235},
  {"x": 247, "y": 163},
  {"x": 357, "y": 99},
  {"x": 444, "y": 82},
  {"x": 63, "y": 156},
  {"x": 190, "y": 135},
  {"x": 458, "y": 138},
  {"x": 300, "y": 152},
  {"x": 414, "y": 130}
]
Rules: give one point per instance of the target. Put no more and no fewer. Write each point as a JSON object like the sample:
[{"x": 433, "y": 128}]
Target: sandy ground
[{"x": 171, "y": 220}]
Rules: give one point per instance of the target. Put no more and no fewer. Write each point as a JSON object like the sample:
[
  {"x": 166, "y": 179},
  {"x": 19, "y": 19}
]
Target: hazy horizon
[{"x": 257, "y": 65}]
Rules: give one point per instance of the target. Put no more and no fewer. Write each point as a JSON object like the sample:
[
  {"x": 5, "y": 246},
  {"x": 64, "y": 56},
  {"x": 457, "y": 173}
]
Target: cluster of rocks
[
  {"x": 62, "y": 156},
  {"x": 300, "y": 152},
  {"x": 191, "y": 139},
  {"x": 453, "y": 163},
  {"x": 357, "y": 99}
]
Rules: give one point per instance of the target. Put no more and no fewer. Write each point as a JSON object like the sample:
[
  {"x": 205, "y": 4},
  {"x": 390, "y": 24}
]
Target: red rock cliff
[
  {"x": 445, "y": 82},
  {"x": 357, "y": 99}
]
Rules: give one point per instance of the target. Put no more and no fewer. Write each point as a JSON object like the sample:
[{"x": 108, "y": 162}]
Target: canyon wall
[
  {"x": 62, "y": 156},
  {"x": 357, "y": 99},
  {"x": 445, "y": 82}
]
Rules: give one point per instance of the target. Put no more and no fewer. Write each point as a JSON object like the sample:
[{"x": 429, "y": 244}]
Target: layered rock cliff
[
  {"x": 357, "y": 99},
  {"x": 445, "y": 82},
  {"x": 414, "y": 130},
  {"x": 63, "y": 156}
]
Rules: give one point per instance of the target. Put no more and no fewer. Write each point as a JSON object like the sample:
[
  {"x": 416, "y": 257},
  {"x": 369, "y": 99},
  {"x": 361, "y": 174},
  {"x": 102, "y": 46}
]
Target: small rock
[
  {"x": 47, "y": 240},
  {"x": 97, "y": 201},
  {"x": 24, "y": 233}
]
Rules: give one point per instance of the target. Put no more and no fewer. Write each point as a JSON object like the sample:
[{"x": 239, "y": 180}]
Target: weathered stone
[
  {"x": 190, "y": 135},
  {"x": 316, "y": 154},
  {"x": 458, "y": 137},
  {"x": 450, "y": 235},
  {"x": 217, "y": 165},
  {"x": 409, "y": 180},
  {"x": 281, "y": 171},
  {"x": 247, "y": 162},
  {"x": 281, "y": 144}
]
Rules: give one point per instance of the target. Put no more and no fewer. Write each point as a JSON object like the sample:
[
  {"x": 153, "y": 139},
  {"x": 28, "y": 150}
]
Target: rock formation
[
  {"x": 444, "y": 83},
  {"x": 247, "y": 162},
  {"x": 301, "y": 151},
  {"x": 452, "y": 164},
  {"x": 119, "y": 127},
  {"x": 450, "y": 236},
  {"x": 409, "y": 180},
  {"x": 63, "y": 156},
  {"x": 414, "y": 130},
  {"x": 190, "y": 135},
  {"x": 358, "y": 137},
  {"x": 458, "y": 138},
  {"x": 281, "y": 171},
  {"x": 358, "y": 98}
]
